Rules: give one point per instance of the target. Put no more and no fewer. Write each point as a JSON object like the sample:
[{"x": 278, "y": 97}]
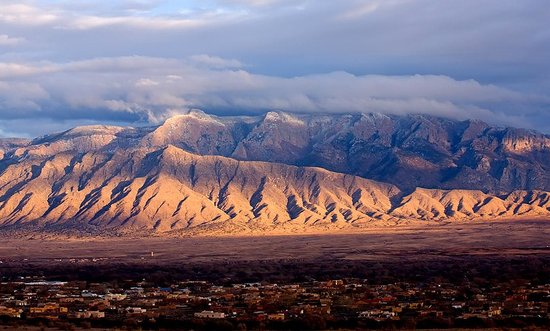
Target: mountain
[
  {"x": 278, "y": 172},
  {"x": 8, "y": 144},
  {"x": 407, "y": 151}
]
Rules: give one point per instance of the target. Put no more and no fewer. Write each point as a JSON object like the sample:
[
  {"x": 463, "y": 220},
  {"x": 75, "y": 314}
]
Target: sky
[{"x": 136, "y": 62}]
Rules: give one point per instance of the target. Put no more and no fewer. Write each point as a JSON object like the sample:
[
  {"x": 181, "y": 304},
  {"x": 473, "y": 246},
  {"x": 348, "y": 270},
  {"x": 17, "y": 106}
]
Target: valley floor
[{"x": 412, "y": 242}]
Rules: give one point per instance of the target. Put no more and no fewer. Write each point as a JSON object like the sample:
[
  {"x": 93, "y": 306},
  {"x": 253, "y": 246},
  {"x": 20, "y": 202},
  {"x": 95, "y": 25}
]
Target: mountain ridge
[
  {"x": 408, "y": 151},
  {"x": 172, "y": 180}
]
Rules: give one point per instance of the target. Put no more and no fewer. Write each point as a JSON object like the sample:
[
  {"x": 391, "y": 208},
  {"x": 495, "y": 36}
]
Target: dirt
[{"x": 417, "y": 242}]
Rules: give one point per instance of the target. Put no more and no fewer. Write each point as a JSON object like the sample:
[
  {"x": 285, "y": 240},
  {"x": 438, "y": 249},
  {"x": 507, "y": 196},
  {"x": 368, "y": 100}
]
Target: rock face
[
  {"x": 10, "y": 144},
  {"x": 278, "y": 171}
]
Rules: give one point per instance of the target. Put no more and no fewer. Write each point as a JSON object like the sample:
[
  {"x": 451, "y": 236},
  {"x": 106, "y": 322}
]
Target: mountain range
[{"x": 200, "y": 173}]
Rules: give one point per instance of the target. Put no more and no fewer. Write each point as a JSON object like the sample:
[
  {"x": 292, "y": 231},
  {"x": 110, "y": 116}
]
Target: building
[{"x": 210, "y": 314}]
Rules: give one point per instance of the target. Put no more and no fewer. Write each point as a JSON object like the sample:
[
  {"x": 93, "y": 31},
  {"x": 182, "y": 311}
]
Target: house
[
  {"x": 210, "y": 314},
  {"x": 276, "y": 317},
  {"x": 135, "y": 310},
  {"x": 89, "y": 314},
  {"x": 10, "y": 312}
]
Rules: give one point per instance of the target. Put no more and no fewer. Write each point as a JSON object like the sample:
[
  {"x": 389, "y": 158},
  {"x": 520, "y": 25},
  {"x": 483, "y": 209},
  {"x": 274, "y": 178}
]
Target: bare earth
[{"x": 502, "y": 238}]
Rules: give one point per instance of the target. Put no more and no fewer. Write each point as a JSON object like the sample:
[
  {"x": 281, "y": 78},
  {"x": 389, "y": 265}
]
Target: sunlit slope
[{"x": 168, "y": 189}]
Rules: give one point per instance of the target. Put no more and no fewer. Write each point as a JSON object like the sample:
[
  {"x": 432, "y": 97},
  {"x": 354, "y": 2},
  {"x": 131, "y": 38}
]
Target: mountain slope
[
  {"x": 277, "y": 172},
  {"x": 168, "y": 189},
  {"x": 407, "y": 151}
]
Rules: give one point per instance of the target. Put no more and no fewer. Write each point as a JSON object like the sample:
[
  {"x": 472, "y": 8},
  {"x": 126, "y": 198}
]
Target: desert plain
[{"x": 414, "y": 246}]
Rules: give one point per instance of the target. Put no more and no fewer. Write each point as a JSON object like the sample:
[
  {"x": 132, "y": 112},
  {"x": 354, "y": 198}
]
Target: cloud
[
  {"x": 145, "y": 89},
  {"x": 25, "y": 14},
  {"x": 215, "y": 61},
  {"x": 21, "y": 98},
  {"x": 501, "y": 41},
  {"x": 77, "y": 18},
  {"x": 6, "y": 40},
  {"x": 263, "y": 3},
  {"x": 140, "y": 60},
  {"x": 15, "y": 70}
]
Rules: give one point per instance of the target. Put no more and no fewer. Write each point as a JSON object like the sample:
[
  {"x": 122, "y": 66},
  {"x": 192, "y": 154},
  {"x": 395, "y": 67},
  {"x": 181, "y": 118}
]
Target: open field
[
  {"x": 487, "y": 238},
  {"x": 417, "y": 247}
]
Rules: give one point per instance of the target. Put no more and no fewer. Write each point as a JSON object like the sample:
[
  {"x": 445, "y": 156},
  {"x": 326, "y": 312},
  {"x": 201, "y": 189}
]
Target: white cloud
[
  {"x": 145, "y": 88},
  {"x": 215, "y": 62},
  {"x": 67, "y": 17},
  {"x": 15, "y": 70},
  {"x": 21, "y": 98},
  {"x": 146, "y": 82},
  {"x": 94, "y": 22},
  {"x": 26, "y": 14}
]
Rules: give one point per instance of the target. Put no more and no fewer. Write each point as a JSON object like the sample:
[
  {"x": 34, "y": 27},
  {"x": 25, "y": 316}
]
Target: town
[{"x": 340, "y": 303}]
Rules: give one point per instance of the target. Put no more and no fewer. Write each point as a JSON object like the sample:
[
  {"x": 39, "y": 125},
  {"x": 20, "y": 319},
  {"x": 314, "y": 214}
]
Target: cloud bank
[
  {"x": 65, "y": 63},
  {"x": 145, "y": 89}
]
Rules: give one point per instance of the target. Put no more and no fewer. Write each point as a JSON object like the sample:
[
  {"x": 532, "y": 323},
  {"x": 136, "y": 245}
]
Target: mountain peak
[
  {"x": 193, "y": 114},
  {"x": 280, "y": 116},
  {"x": 94, "y": 130}
]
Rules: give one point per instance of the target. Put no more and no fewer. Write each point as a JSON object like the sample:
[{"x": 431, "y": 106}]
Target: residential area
[{"x": 341, "y": 303}]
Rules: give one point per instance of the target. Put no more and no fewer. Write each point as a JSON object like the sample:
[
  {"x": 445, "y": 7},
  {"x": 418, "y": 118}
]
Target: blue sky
[{"x": 66, "y": 63}]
